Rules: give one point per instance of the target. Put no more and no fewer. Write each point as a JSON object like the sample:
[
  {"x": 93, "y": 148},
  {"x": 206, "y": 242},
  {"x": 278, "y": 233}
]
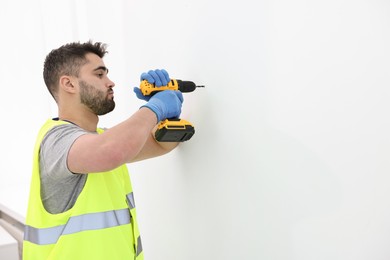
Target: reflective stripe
[
  {"x": 92, "y": 221},
  {"x": 139, "y": 246},
  {"x": 130, "y": 200}
]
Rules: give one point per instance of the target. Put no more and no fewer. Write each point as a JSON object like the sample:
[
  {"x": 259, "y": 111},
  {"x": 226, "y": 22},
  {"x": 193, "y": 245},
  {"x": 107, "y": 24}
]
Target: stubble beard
[{"x": 96, "y": 100}]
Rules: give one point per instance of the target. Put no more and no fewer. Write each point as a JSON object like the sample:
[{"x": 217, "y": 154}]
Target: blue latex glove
[
  {"x": 139, "y": 94},
  {"x": 157, "y": 77},
  {"x": 166, "y": 104}
]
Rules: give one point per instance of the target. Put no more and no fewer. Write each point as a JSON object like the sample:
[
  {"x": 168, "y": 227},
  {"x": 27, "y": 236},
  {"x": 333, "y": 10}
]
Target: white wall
[{"x": 290, "y": 156}]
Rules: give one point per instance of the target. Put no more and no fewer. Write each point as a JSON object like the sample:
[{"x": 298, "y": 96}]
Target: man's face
[{"x": 95, "y": 87}]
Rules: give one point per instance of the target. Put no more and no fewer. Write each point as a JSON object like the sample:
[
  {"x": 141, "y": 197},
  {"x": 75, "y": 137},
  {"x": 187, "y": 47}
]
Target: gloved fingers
[
  {"x": 164, "y": 77},
  {"x": 157, "y": 77},
  {"x": 146, "y": 76},
  {"x": 161, "y": 77},
  {"x": 139, "y": 94},
  {"x": 180, "y": 96}
]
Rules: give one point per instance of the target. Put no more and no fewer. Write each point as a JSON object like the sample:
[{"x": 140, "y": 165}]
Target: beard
[{"x": 95, "y": 99}]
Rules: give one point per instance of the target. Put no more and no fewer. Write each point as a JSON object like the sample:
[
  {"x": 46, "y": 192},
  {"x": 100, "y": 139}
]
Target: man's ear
[{"x": 67, "y": 85}]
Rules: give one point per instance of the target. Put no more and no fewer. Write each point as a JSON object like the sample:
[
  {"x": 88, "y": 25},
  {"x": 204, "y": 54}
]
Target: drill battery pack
[{"x": 174, "y": 130}]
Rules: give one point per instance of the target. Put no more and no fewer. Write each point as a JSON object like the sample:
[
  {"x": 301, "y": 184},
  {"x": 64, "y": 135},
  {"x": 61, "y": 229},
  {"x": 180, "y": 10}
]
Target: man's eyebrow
[{"x": 101, "y": 68}]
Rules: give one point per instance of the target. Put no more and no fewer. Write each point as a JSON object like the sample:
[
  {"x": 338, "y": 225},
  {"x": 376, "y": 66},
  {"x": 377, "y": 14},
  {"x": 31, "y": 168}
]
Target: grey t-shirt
[{"x": 59, "y": 186}]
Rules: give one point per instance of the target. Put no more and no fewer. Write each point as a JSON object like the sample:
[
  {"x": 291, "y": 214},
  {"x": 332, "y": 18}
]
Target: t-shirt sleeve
[{"x": 55, "y": 148}]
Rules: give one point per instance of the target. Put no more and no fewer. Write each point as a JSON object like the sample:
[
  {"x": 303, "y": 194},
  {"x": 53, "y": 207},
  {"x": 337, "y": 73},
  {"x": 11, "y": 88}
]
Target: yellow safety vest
[{"x": 101, "y": 225}]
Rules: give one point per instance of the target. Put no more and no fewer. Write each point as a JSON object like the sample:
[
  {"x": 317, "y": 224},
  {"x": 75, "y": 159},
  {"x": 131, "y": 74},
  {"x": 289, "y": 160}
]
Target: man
[{"x": 81, "y": 203}]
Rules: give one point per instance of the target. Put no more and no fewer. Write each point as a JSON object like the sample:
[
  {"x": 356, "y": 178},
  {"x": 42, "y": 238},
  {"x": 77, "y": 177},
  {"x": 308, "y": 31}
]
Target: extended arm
[{"x": 129, "y": 141}]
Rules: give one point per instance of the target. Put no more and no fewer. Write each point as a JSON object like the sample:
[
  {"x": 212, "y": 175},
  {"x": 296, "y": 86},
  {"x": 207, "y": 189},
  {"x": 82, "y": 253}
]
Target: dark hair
[{"x": 67, "y": 60}]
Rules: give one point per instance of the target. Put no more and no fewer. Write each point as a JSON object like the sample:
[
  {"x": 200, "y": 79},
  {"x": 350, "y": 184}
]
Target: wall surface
[{"x": 290, "y": 159}]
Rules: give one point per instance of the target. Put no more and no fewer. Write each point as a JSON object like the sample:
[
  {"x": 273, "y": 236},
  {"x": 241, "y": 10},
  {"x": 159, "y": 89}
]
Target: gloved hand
[
  {"x": 157, "y": 77},
  {"x": 166, "y": 104}
]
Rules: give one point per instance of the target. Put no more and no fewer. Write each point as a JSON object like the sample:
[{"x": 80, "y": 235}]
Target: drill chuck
[{"x": 187, "y": 86}]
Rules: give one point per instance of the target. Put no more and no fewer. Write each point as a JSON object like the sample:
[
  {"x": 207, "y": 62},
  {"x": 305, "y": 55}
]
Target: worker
[{"x": 81, "y": 203}]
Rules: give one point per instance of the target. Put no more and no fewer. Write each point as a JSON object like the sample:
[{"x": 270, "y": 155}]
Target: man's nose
[{"x": 110, "y": 83}]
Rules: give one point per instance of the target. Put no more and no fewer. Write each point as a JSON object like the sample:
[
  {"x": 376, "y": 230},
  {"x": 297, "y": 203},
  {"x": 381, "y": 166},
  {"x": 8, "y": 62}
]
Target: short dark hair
[{"x": 67, "y": 60}]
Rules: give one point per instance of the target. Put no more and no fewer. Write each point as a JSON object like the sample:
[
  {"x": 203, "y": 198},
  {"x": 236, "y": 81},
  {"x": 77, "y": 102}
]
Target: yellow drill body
[{"x": 149, "y": 89}]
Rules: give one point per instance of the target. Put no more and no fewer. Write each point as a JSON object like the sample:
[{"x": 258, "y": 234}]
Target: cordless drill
[{"x": 171, "y": 129}]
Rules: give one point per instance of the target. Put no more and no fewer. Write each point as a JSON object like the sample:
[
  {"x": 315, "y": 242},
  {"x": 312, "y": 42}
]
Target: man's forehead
[{"x": 94, "y": 62}]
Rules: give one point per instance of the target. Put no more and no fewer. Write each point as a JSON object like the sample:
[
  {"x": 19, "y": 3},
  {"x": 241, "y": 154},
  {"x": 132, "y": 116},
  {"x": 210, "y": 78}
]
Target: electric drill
[{"x": 171, "y": 129}]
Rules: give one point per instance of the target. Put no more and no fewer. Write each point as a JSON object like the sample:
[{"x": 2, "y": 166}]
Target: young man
[{"x": 81, "y": 203}]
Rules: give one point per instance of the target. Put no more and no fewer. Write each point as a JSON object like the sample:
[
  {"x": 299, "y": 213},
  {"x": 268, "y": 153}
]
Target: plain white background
[{"x": 290, "y": 159}]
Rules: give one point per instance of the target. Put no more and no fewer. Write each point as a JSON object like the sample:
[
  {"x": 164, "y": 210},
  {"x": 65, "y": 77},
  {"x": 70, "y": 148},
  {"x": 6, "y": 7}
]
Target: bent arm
[
  {"x": 126, "y": 142},
  {"x": 153, "y": 148}
]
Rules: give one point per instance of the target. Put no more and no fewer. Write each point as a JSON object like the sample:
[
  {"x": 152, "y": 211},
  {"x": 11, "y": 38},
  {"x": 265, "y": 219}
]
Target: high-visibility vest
[{"x": 101, "y": 225}]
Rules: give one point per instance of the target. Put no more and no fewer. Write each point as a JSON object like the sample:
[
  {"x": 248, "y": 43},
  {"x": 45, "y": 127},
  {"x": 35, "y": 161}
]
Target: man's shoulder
[{"x": 63, "y": 133}]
